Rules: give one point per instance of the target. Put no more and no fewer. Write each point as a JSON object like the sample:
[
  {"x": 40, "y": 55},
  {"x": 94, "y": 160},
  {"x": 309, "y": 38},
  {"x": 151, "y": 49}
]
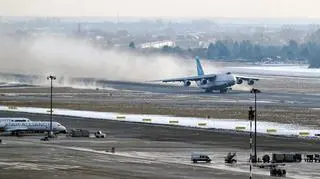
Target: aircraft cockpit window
[{"x": 228, "y": 73}]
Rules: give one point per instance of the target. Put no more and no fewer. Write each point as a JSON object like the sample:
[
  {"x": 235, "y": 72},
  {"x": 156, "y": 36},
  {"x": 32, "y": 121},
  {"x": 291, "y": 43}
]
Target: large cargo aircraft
[{"x": 210, "y": 82}]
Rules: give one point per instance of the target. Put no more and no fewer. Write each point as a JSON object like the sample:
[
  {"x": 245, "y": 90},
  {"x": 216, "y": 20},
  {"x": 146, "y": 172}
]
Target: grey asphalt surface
[
  {"x": 142, "y": 151},
  {"x": 157, "y": 93},
  {"x": 283, "y": 98}
]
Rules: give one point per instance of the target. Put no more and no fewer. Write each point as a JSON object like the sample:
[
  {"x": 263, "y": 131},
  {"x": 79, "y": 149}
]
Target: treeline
[{"x": 249, "y": 51}]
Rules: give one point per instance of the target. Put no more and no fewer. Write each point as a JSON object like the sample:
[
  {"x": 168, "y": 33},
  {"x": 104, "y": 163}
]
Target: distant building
[
  {"x": 158, "y": 44},
  {"x": 205, "y": 44}
]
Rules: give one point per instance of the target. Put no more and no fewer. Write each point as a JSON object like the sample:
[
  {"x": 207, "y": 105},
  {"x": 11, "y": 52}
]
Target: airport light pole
[
  {"x": 255, "y": 91},
  {"x": 250, "y": 116},
  {"x": 51, "y": 78}
]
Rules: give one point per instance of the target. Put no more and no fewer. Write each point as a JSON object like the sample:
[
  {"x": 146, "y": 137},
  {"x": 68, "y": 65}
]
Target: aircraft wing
[
  {"x": 191, "y": 78},
  {"x": 247, "y": 78}
]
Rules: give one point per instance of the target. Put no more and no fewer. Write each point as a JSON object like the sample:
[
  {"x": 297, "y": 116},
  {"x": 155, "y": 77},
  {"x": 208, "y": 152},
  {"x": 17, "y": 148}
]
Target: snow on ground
[
  {"x": 271, "y": 128},
  {"x": 281, "y": 70}
]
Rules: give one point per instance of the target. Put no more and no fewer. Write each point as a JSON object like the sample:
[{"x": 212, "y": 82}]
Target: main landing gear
[{"x": 224, "y": 90}]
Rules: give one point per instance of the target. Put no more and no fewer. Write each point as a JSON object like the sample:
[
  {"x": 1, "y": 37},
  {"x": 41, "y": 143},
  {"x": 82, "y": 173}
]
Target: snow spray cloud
[{"x": 69, "y": 57}]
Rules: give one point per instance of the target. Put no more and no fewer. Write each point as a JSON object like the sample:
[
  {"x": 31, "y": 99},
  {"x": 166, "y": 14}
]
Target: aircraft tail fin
[{"x": 199, "y": 67}]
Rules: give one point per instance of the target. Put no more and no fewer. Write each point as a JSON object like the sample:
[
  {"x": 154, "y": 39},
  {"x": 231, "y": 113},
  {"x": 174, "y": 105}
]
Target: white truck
[{"x": 99, "y": 134}]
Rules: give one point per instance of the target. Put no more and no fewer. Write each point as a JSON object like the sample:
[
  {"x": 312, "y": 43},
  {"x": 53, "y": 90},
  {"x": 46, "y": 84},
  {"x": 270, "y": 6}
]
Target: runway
[
  {"x": 278, "y": 102},
  {"x": 244, "y": 96},
  {"x": 285, "y": 85},
  {"x": 191, "y": 94}
]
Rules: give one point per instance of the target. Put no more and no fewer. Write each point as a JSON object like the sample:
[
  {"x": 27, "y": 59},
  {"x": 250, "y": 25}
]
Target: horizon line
[{"x": 160, "y": 17}]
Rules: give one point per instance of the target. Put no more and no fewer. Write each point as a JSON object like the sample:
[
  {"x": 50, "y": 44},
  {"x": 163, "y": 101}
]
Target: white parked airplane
[
  {"x": 210, "y": 82},
  {"x": 14, "y": 128}
]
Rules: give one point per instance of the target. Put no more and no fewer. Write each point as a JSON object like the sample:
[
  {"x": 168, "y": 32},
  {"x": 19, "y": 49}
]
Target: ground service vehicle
[
  {"x": 231, "y": 158},
  {"x": 200, "y": 158},
  {"x": 45, "y": 139},
  {"x": 99, "y": 134},
  {"x": 274, "y": 171}
]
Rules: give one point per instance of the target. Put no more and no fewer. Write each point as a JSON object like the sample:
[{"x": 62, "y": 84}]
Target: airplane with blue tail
[{"x": 211, "y": 82}]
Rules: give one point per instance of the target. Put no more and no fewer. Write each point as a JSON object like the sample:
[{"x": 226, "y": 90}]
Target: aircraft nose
[
  {"x": 64, "y": 130},
  {"x": 233, "y": 82}
]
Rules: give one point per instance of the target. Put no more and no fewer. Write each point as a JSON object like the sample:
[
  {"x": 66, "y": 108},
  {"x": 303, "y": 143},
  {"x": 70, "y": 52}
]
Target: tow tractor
[{"x": 99, "y": 134}]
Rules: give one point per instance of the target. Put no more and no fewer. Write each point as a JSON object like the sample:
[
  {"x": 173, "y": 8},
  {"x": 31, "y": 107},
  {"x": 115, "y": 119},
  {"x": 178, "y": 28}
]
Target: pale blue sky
[{"x": 163, "y": 8}]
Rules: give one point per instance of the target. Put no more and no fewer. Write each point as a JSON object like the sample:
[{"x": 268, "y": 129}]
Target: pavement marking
[
  {"x": 240, "y": 128},
  {"x": 173, "y": 122},
  {"x": 147, "y": 120},
  {"x": 202, "y": 124},
  {"x": 304, "y": 133},
  {"x": 271, "y": 130},
  {"x": 121, "y": 117}
]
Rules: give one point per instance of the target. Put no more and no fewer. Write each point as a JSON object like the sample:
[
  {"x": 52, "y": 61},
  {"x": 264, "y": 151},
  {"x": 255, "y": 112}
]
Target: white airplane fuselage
[
  {"x": 222, "y": 81},
  {"x": 33, "y": 126}
]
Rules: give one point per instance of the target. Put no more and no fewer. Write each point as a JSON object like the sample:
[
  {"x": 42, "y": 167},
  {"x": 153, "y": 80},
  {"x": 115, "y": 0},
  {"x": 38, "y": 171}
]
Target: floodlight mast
[
  {"x": 51, "y": 78},
  {"x": 255, "y": 91}
]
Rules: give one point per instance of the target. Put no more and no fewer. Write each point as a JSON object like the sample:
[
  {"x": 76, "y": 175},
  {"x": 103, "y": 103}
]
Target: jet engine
[
  {"x": 187, "y": 83},
  {"x": 239, "y": 81},
  {"x": 250, "y": 82},
  {"x": 203, "y": 82}
]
